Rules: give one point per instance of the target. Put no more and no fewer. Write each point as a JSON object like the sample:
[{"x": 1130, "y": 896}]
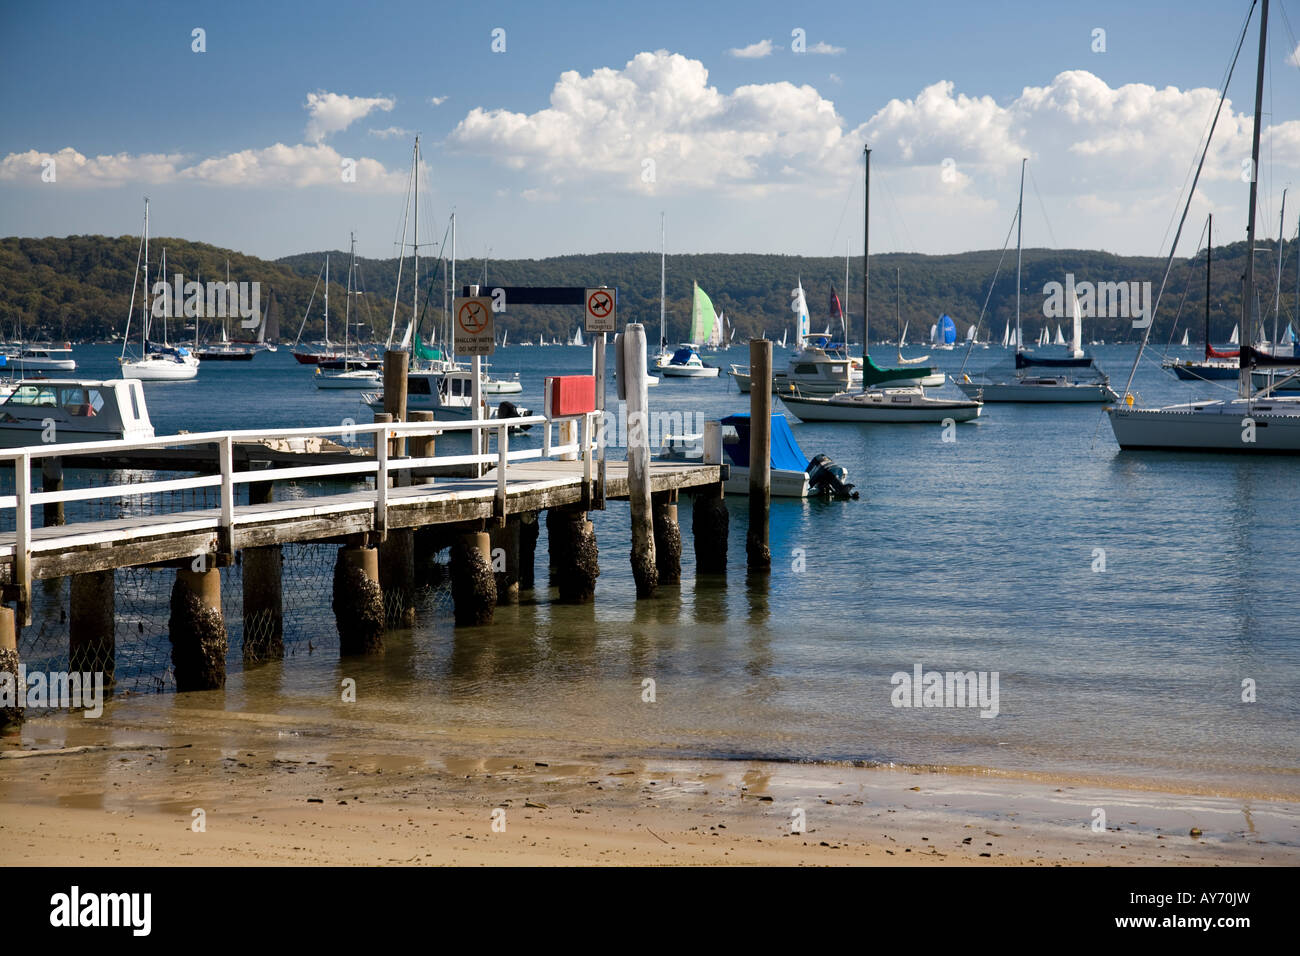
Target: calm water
[{"x": 976, "y": 554}]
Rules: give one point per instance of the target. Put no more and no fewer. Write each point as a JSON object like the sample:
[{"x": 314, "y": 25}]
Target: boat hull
[
  {"x": 1192, "y": 372},
  {"x": 160, "y": 371},
  {"x": 888, "y": 409},
  {"x": 784, "y": 482},
  {"x": 346, "y": 381},
  {"x": 1053, "y": 394},
  {"x": 222, "y": 356},
  {"x": 1212, "y": 427},
  {"x": 45, "y": 364},
  {"x": 687, "y": 371}
]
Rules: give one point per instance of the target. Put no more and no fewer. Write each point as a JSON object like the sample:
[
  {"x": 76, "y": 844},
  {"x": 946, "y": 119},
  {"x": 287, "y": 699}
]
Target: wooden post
[
  {"x": 261, "y": 576},
  {"x": 11, "y": 700},
  {"x": 668, "y": 538},
  {"x": 395, "y": 368},
  {"x": 575, "y": 557},
  {"x": 397, "y": 576},
  {"x": 644, "y": 568},
  {"x": 197, "y": 630},
  {"x": 92, "y": 641},
  {"x": 358, "y": 601},
  {"x": 710, "y": 522},
  {"x": 530, "y": 528},
  {"x": 505, "y": 559},
  {"x": 422, "y": 446},
  {"x": 473, "y": 587},
  {"x": 52, "y": 480},
  {"x": 758, "y": 552}
]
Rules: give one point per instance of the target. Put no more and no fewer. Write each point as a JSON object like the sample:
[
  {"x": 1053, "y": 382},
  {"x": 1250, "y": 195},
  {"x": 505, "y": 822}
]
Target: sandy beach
[{"x": 292, "y": 791}]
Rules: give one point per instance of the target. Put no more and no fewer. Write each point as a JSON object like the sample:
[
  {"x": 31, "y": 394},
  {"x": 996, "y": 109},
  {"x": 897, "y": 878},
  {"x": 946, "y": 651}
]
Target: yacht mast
[
  {"x": 1020, "y": 210},
  {"x": 1248, "y": 296},
  {"x": 866, "y": 248},
  {"x": 1277, "y": 296},
  {"x": 662, "y": 265},
  {"x": 415, "y": 244}
]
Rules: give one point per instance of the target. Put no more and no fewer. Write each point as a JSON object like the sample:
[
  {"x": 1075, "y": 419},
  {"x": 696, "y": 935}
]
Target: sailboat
[
  {"x": 1217, "y": 365},
  {"x": 664, "y": 355},
  {"x": 816, "y": 367},
  {"x": 577, "y": 337},
  {"x": 1252, "y": 422},
  {"x": 157, "y": 363},
  {"x": 685, "y": 362},
  {"x": 1185, "y": 342},
  {"x": 873, "y": 403},
  {"x": 348, "y": 378},
  {"x": 902, "y": 338},
  {"x": 1025, "y": 385},
  {"x": 225, "y": 351},
  {"x": 943, "y": 334}
]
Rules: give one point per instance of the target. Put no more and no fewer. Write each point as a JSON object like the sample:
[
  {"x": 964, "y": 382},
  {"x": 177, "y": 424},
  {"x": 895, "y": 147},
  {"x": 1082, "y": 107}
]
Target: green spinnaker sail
[{"x": 703, "y": 317}]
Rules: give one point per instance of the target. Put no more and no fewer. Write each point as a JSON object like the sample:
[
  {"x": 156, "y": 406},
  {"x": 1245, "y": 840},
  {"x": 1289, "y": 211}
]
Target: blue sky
[{"x": 750, "y": 153}]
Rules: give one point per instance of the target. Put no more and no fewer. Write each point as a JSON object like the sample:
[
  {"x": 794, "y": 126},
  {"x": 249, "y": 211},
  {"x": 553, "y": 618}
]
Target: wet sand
[{"x": 278, "y": 789}]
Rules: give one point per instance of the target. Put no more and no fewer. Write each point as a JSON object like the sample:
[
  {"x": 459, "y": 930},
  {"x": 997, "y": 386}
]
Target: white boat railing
[{"x": 386, "y": 469}]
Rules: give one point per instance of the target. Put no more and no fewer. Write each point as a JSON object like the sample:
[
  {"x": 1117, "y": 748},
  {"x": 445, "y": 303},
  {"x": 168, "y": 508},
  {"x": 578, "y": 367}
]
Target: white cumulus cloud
[
  {"x": 333, "y": 112},
  {"x": 73, "y": 168},
  {"x": 752, "y": 52},
  {"x": 825, "y": 49}
]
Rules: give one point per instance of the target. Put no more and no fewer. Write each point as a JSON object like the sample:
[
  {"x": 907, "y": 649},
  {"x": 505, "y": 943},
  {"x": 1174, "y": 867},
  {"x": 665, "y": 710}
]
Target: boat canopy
[
  {"x": 683, "y": 355},
  {"x": 1033, "y": 361},
  {"x": 786, "y": 453},
  {"x": 156, "y": 349}
]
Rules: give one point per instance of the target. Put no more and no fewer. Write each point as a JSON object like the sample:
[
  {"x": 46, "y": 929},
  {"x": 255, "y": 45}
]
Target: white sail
[
  {"x": 1235, "y": 336},
  {"x": 1060, "y": 339},
  {"x": 970, "y": 334},
  {"x": 577, "y": 337},
  {"x": 799, "y": 306},
  {"x": 1185, "y": 340},
  {"x": 783, "y": 334},
  {"x": 1006, "y": 334},
  {"x": 934, "y": 334},
  {"x": 903, "y": 338},
  {"x": 1076, "y": 339}
]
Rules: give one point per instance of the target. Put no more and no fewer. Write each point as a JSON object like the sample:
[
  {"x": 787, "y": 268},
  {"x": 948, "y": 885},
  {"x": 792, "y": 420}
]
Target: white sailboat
[
  {"x": 348, "y": 378},
  {"x": 1252, "y": 422},
  {"x": 882, "y": 402},
  {"x": 1186, "y": 341},
  {"x": 157, "y": 363},
  {"x": 685, "y": 362},
  {"x": 1056, "y": 382}
]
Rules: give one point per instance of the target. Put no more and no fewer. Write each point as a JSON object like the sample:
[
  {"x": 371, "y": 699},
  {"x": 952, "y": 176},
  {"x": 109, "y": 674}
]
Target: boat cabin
[{"x": 41, "y": 411}]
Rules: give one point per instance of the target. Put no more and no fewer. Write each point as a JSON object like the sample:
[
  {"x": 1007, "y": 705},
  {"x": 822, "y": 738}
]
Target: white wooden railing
[{"x": 385, "y": 469}]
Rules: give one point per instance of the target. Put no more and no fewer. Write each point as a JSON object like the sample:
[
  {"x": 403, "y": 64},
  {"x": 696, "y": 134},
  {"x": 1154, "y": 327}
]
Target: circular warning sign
[
  {"x": 472, "y": 317},
  {"x": 600, "y": 303}
]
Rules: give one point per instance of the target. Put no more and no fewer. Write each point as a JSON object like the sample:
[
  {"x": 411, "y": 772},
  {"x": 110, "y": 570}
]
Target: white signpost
[{"x": 601, "y": 314}]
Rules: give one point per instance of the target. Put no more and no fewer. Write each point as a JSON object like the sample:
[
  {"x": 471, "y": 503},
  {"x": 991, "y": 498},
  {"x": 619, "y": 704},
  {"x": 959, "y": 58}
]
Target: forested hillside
[{"x": 79, "y": 288}]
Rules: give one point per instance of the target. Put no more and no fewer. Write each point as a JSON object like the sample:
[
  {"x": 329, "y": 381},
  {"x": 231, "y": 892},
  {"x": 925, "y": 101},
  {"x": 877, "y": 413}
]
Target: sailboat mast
[
  {"x": 327, "y": 300},
  {"x": 144, "y": 315},
  {"x": 415, "y": 244},
  {"x": 1248, "y": 296},
  {"x": 1020, "y": 209},
  {"x": 1209, "y": 244},
  {"x": 663, "y": 260},
  {"x": 866, "y": 248},
  {"x": 1277, "y": 296},
  {"x": 453, "y": 282}
]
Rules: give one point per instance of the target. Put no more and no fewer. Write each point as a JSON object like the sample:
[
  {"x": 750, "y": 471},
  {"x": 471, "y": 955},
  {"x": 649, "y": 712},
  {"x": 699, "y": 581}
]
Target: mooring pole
[
  {"x": 11, "y": 713},
  {"x": 52, "y": 480},
  {"x": 598, "y": 501},
  {"x": 396, "y": 364},
  {"x": 760, "y": 454},
  {"x": 644, "y": 567}
]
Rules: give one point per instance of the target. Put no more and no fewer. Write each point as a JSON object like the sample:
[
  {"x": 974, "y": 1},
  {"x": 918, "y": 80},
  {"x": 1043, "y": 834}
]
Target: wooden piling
[
  {"x": 473, "y": 586},
  {"x": 530, "y": 528},
  {"x": 505, "y": 560},
  {"x": 396, "y": 364},
  {"x": 92, "y": 641},
  {"x": 358, "y": 601},
  {"x": 668, "y": 538},
  {"x": 52, "y": 480},
  {"x": 644, "y": 567},
  {"x": 575, "y": 556},
  {"x": 261, "y": 575},
  {"x": 397, "y": 576},
  {"x": 758, "y": 553},
  {"x": 710, "y": 523},
  {"x": 11, "y": 700},
  {"x": 422, "y": 446},
  {"x": 197, "y": 630}
]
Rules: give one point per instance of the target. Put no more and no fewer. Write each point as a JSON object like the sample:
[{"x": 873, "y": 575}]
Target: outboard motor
[
  {"x": 827, "y": 478},
  {"x": 511, "y": 410}
]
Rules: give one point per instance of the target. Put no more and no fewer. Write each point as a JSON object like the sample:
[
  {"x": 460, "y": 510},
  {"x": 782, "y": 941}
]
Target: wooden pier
[{"x": 379, "y": 507}]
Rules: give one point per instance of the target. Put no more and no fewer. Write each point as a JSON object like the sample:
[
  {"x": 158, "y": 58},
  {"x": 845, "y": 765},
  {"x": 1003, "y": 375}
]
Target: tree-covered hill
[{"x": 79, "y": 288}]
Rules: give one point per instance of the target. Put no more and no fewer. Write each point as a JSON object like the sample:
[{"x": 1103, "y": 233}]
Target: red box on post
[{"x": 570, "y": 395}]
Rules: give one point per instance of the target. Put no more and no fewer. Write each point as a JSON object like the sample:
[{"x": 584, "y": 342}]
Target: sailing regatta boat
[
  {"x": 874, "y": 403},
  {"x": 817, "y": 366},
  {"x": 157, "y": 363},
  {"x": 943, "y": 334},
  {"x": 324, "y": 350},
  {"x": 1025, "y": 386},
  {"x": 1185, "y": 343},
  {"x": 1217, "y": 365},
  {"x": 685, "y": 362},
  {"x": 1252, "y": 422},
  {"x": 348, "y": 377},
  {"x": 225, "y": 351}
]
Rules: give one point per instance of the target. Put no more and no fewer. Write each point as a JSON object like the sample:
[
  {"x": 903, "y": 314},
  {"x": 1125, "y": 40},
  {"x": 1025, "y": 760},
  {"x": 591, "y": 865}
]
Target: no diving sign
[
  {"x": 473, "y": 316},
  {"x": 601, "y": 309}
]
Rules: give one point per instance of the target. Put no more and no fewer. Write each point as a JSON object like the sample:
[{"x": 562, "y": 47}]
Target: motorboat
[{"x": 64, "y": 411}]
